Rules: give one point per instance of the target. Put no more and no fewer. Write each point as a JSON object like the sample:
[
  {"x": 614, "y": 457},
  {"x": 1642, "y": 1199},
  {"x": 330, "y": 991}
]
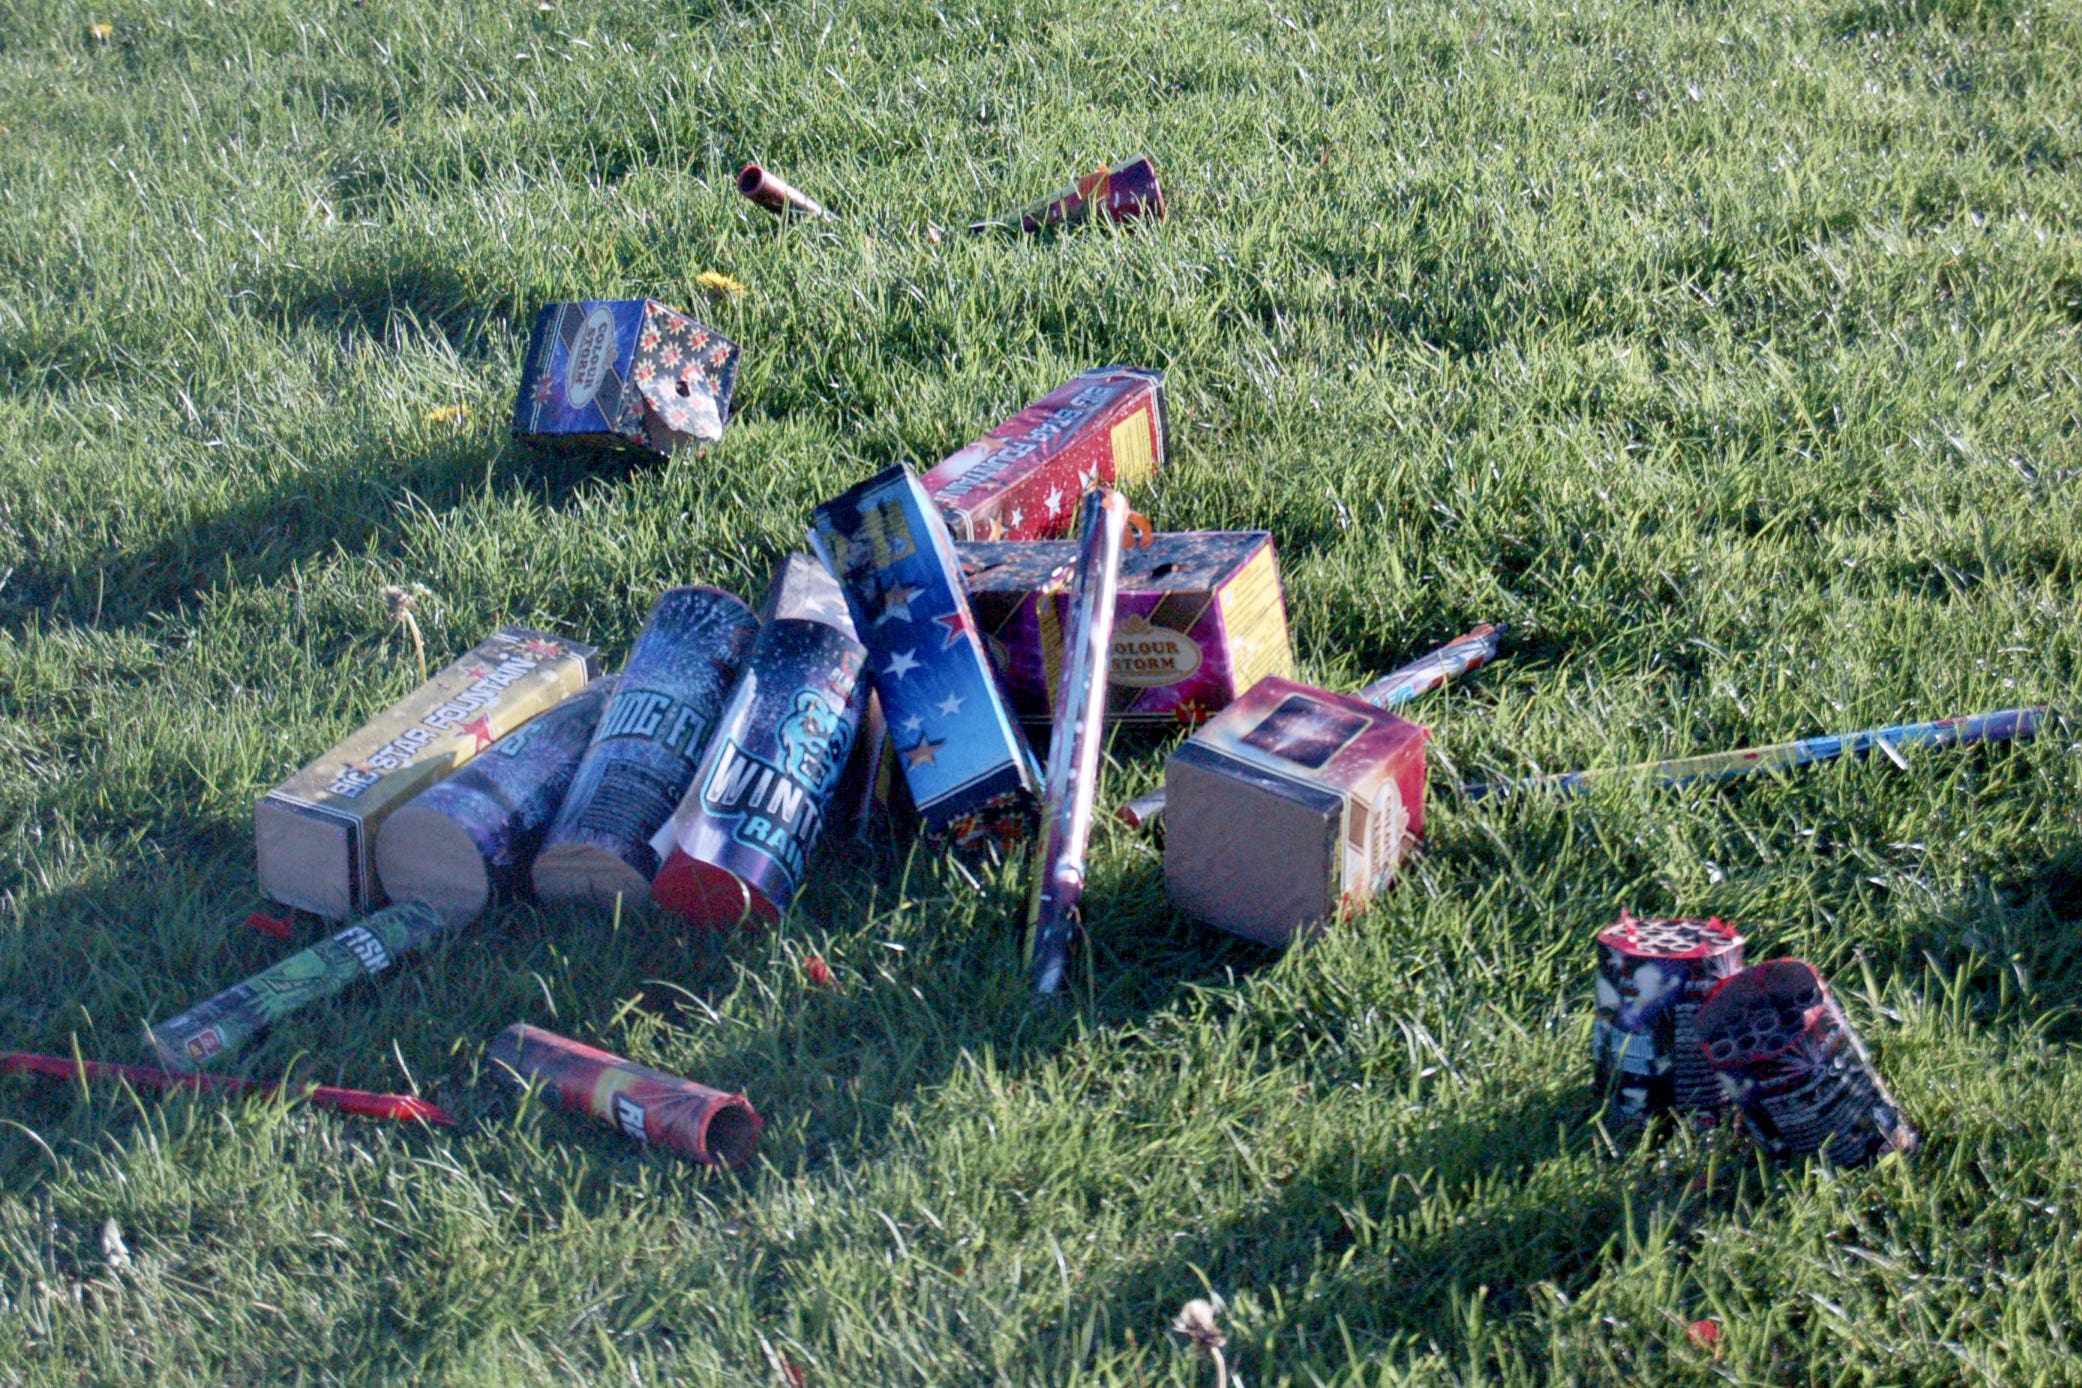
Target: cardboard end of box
[{"x": 308, "y": 858}]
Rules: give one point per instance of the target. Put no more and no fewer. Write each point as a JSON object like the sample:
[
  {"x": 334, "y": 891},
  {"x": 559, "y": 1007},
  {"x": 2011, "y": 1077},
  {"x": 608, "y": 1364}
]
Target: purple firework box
[
  {"x": 965, "y": 760},
  {"x": 624, "y": 372},
  {"x": 1199, "y": 619}
]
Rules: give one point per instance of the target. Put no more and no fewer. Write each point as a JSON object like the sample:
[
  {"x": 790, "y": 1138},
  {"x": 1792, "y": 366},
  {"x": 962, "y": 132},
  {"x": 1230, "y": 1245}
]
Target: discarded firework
[
  {"x": 1653, "y": 976},
  {"x": 624, "y": 373},
  {"x": 775, "y": 195},
  {"x": 476, "y": 833},
  {"x": 224, "y": 1024},
  {"x": 314, "y": 834},
  {"x": 362, "y": 1102},
  {"x": 2005, "y": 725},
  {"x": 1073, "y": 749},
  {"x": 1790, "y": 1060},
  {"x": 1200, "y": 618},
  {"x": 1292, "y": 805},
  {"x": 702, "y": 1124},
  {"x": 1469, "y": 651},
  {"x": 1119, "y": 194},
  {"x": 968, "y": 767},
  {"x": 1021, "y": 481},
  {"x": 736, "y": 847},
  {"x": 645, "y": 749}
]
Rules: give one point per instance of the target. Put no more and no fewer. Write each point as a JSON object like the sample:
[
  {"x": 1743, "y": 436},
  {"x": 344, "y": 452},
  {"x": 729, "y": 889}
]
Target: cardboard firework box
[
  {"x": 1199, "y": 619},
  {"x": 314, "y": 835},
  {"x": 624, "y": 372},
  {"x": 1022, "y": 480},
  {"x": 1293, "y": 805},
  {"x": 970, "y": 772}
]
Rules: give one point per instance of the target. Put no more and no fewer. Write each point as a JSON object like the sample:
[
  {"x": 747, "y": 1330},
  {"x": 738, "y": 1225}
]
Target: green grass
[{"x": 1728, "y": 352}]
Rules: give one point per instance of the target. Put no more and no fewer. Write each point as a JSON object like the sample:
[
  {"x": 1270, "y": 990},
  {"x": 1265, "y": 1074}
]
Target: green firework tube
[{"x": 226, "y": 1023}]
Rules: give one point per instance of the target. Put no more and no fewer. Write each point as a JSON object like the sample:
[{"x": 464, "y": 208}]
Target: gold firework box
[
  {"x": 1199, "y": 619},
  {"x": 315, "y": 833},
  {"x": 1023, "y": 479},
  {"x": 1293, "y": 805}
]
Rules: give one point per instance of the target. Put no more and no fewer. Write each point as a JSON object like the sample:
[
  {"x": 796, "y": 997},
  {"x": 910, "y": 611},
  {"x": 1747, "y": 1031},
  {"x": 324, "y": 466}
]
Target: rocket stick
[
  {"x": 2004, "y": 725},
  {"x": 1073, "y": 748},
  {"x": 397, "y": 1107}
]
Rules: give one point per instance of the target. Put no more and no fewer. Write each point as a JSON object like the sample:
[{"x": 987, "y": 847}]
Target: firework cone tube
[
  {"x": 1653, "y": 976},
  {"x": 702, "y": 1124},
  {"x": 1800, "y": 1074},
  {"x": 1464, "y": 654},
  {"x": 775, "y": 195},
  {"x": 476, "y": 833},
  {"x": 735, "y": 849},
  {"x": 645, "y": 749},
  {"x": 2006, "y": 725},
  {"x": 1073, "y": 748},
  {"x": 395, "y": 1107},
  {"x": 1119, "y": 194},
  {"x": 226, "y": 1023}
]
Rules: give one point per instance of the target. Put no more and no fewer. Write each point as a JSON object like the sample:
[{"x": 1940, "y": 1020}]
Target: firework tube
[
  {"x": 1653, "y": 976},
  {"x": 1464, "y": 654},
  {"x": 462, "y": 839},
  {"x": 2006, "y": 725},
  {"x": 735, "y": 849},
  {"x": 396, "y": 1107},
  {"x": 644, "y": 752},
  {"x": 1073, "y": 747},
  {"x": 1121, "y": 194},
  {"x": 226, "y": 1023},
  {"x": 1799, "y": 1072},
  {"x": 775, "y": 195},
  {"x": 702, "y": 1124}
]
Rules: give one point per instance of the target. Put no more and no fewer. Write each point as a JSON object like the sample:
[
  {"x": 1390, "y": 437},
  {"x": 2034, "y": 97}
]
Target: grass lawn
[{"x": 1731, "y": 353}]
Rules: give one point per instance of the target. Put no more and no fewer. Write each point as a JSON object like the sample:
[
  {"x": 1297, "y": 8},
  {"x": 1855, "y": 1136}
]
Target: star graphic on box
[
  {"x": 957, "y": 624},
  {"x": 477, "y": 672},
  {"x": 901, "y": 664},
  {"x": 546, "y": 649},
  {"x": 950, "y": 705},
  {"x": 1054, "y": 500},
  {"x": 922, "y": 753},
  {"x": 480, "y": 728},
  {"x": 913, "y": 725},
  {"x": 896, "y": 603}
]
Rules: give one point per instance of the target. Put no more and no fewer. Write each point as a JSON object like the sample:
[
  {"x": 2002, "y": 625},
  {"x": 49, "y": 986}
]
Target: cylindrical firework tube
[
  {"x": 1791, "y": 1061},
  {"x": 1073, "y": 749},
  {"x": 644, "y": 752},
  {"x": 735, "y": 848},
  {"x": 395, "y": 1107},
  {"x": 1652, "y": 978},
  {"x": 461, "y": 839},
  {"x": 225, "y": 1023},
  {"x": 775, "y": 195},
  {"x": 702, "y": 1124}
]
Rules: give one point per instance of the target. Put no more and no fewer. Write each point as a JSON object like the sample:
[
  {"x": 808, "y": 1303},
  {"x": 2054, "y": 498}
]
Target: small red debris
[
  {"x": 796, "y": 1377},
  {"x": 817, "y": 971},
  {"x": 1705, "y": 1334},
  {"x": 278, "y": 928}
]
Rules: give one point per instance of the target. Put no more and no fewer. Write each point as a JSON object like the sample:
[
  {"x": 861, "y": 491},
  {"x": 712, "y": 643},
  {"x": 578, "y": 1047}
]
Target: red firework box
[
  {"x": 1199, "y": 619},
  {"x": 1022, "y": 480},
  {"x": 1291, "y": 806}
]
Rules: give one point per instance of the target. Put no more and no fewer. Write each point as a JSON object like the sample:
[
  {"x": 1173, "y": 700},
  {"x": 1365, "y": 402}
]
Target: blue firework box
[
  {"x": 964, "y": 758},
  {"x": 624, "y": 373}
]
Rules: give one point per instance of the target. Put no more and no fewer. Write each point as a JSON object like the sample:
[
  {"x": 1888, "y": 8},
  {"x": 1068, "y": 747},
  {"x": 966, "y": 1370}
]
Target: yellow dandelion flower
[
  {"x": 102, "y": 31},
  {"x": 719, "y": 286},
  {"x": 448, "y": 414}
]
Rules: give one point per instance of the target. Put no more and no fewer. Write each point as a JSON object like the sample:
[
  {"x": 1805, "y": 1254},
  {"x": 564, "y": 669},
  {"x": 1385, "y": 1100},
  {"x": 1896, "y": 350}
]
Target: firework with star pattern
[
  {"x": 315, "y": 834},
  {"x": 968, "y": 767},
  {"x": 736, "y": 848},
  {"x": 628, "y": 373},
  {"x": 1023, "y": 479}
]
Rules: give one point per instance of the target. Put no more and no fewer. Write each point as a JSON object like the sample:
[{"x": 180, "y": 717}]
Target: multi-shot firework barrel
[
  {"x": 1653, "y": 976},
  {"x": 777, "y": 195},
  {"x": 1790, "y": 1060},
  {"x": 646, "y": 748}
]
